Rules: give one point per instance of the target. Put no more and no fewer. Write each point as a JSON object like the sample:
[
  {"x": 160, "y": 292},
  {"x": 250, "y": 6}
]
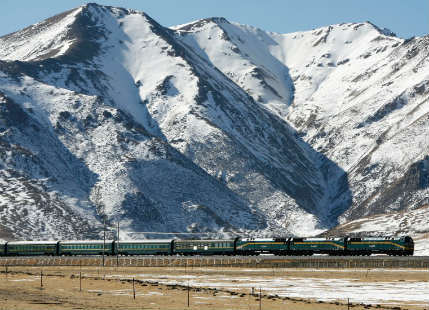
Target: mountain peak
[
  {"x": 113, "y": 9},
  {"x": 200, "y": 23},
  {"x": 47, "y": 39},
  {"x": 384, "y": 31}
]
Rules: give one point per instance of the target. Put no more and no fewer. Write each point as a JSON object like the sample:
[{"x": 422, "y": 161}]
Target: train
[{"x": 292, "y": 246}]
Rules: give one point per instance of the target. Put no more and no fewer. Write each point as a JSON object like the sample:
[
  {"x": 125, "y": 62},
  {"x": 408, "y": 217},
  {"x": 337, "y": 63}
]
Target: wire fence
[{"x": 207, "y": 261}]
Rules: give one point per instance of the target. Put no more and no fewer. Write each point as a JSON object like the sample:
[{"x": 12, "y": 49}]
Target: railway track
[{"x": 262, "y": 261}]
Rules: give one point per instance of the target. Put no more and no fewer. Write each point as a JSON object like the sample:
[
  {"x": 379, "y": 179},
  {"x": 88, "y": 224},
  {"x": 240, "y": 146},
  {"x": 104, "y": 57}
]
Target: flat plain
[{"x": 35, "y": 288}]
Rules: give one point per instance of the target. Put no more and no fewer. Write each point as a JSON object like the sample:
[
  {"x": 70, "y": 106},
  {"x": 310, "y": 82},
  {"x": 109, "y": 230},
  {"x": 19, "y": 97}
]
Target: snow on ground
[{"x": 358, "y": 291}]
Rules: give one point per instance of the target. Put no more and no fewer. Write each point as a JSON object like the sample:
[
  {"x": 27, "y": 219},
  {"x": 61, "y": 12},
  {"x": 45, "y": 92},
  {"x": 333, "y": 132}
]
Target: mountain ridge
[{"x": 246, "y": 114}]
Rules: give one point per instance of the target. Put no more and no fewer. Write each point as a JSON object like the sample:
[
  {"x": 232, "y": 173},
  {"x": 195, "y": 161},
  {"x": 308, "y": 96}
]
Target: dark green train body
[
  {"x": 144, "y": 247},
  {"x": 29, "y": 248},
  {"x": 2, "y": 248},
  {"x": 204, "y": 247},
  {"x": 310, "y": 246},
  {"x": 252, "y": 246},
  {"x": 91, "y": 247},
  {"x": 388, "y": 245}
]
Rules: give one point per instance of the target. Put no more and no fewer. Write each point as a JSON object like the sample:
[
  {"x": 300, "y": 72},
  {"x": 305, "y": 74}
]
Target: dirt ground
[{"x": 112, "y": 288}]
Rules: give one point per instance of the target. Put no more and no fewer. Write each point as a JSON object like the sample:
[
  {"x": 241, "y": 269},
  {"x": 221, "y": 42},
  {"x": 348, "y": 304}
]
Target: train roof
[
  {"x": 206, "y": 240},
  {"x": 376, "y": 238},
  {"x": 85, "y": 241},
  {"x": 258, "y": 239},
  {"x": 49, "y": 242},
  {"x": 147, "y": 241},
  {"x": 323, "y": 239}
]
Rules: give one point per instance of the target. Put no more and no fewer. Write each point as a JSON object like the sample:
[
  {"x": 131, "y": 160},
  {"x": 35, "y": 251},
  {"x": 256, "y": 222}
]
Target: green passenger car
[
  {"x": 310, "y": 246},
  {"x": 86, "y": 247},
  {"x": 144, "y": 247},
  {"x": 380, "y": 245},
  {"x": 28, "y": 248},
  {"x": 2, "y": 248},
  {"x": 203, "y": 247},
  {"x": 251, "y": 246}
]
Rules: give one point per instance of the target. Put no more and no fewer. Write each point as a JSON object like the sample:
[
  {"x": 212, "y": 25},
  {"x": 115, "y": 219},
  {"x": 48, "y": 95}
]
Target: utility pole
[
  {"x": 80, "y": 276},
  {"x": 117, "y": 252},
  {"x": 188, "y": 293},
  {"x": 104, "y": 235}
]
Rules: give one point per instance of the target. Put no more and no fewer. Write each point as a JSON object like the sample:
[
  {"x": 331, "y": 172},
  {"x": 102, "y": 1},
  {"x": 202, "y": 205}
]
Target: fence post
[{"x": 188, "y": 293}]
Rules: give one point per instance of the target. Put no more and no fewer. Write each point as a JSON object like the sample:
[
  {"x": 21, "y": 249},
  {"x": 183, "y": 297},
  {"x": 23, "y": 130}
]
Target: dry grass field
[{"x": 166, "y": 288}]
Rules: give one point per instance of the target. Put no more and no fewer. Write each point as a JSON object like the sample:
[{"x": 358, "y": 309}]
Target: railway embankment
[{"x": 316, "y": 262}]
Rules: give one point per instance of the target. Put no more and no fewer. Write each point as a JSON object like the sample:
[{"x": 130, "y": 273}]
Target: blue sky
[{"x": 404, "y": 17}]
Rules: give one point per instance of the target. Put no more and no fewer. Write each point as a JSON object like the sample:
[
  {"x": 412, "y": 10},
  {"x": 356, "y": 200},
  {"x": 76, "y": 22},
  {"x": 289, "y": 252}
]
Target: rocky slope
[
  {"x": 359, "y": 97},
  {"x": 209, "y": 126}
]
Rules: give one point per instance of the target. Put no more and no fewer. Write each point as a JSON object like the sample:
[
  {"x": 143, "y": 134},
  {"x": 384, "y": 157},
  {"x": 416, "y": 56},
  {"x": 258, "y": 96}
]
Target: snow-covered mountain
[{"x": 209, "y": 126}]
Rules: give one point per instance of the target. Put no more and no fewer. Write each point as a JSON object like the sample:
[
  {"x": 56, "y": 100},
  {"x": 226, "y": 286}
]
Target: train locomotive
[{"x": 292, "y": 246}]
